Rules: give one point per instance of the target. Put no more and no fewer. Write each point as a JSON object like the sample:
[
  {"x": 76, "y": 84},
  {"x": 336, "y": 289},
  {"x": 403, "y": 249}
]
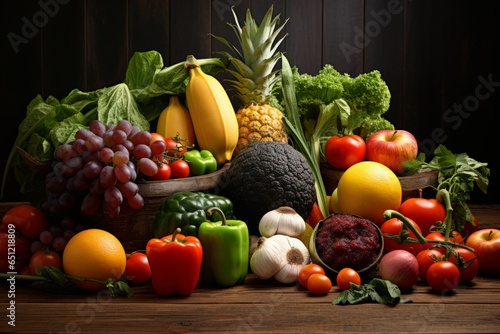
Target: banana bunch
[{"x": 212, "y": 114}]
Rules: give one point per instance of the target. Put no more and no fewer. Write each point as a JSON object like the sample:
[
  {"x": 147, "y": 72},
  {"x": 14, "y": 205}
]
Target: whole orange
[
  {"x": 94, "y": 254},
  {"x": 367, "y": 189}
]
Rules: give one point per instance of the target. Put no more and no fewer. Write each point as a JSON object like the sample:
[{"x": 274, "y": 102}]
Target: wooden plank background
[{"x": 434, "y": 55}]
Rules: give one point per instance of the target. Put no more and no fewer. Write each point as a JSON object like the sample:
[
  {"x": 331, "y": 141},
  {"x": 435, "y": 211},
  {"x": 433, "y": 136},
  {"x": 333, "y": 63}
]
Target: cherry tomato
[
  {"x": 137, "y": 269},
  {"x": 179, "y": 169},
  {"x": 27, "y": 219},
  {"x": 15, "y": 251},
  {"x": 307, "y": 271},
  {"x": 175, "y": 147},
  {"x": 347, "y": 276},
  {"x": 44, "y": 258},
  {"x": 164, "y": 172},
  {"x": 443, "y": 276},
  {"x": 394, "y": 226},
  {"x": 424, "y": 212},
  {"x": 438, "y": 236},
  {"x": 319, "y": 284},
  {"x": 156, "y": 136},
  {"x": 342, "y": 152},
  {"x": 425, "y": 259},
  {"x": 468, "y": 266}
]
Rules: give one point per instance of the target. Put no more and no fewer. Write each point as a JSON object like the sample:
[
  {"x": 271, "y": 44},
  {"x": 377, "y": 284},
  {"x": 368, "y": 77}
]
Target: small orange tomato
[
  {"x": 307, "y": 271},
  {"x": 347, "y": 276},
  {"x": 319, "y": 284}
]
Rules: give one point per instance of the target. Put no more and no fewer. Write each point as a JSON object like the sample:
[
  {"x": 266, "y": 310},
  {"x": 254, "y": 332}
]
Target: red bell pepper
[{"x": 175, "y": 262}]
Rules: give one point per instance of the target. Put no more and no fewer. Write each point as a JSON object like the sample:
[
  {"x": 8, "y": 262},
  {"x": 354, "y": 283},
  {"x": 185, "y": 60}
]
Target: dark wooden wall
[{"x": 435, "y": 55}]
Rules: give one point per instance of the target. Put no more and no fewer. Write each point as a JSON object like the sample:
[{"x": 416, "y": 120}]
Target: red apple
[
  {"x": 486, "y": 244},
  {"x": 392, "y": 148}
]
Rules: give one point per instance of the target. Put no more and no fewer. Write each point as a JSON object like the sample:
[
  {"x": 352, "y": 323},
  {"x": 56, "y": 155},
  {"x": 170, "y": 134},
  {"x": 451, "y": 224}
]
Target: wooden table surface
[{"x": 258, "y": 307}]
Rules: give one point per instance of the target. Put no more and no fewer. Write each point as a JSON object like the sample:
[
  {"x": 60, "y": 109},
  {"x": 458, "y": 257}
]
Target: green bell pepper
[
  {"x": 187, "y": 210},
  {"x": 200, "y": 162},
  {"x": 225, "y": 250}
]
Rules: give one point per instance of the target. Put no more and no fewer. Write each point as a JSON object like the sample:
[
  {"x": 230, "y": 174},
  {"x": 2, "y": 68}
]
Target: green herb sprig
[
  {"x": 458, "y": 174},
  {"x": 377, "y": 290}
]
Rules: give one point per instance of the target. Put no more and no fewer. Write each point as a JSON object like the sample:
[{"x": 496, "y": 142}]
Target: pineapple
[{"x": 254, "y": 79}]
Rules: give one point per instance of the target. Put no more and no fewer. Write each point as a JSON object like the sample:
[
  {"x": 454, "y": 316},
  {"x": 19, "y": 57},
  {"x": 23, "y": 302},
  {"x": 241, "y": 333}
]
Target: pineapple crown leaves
[{"x": 257, "y": 42}]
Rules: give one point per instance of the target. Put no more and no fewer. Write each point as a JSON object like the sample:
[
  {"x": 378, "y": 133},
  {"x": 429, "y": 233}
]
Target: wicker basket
[
  {"x": 135, "y": 229},
  {"x": 411, "y": 184}
]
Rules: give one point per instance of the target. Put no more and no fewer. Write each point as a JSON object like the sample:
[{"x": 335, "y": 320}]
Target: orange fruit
[
  {"x": 367, "y": 189},
  {"x": 94, "y": 254}
]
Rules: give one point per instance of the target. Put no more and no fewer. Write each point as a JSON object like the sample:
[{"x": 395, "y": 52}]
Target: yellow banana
[
  {"x": 212, "y": 113},
  {"x": 175, "y": 120}
]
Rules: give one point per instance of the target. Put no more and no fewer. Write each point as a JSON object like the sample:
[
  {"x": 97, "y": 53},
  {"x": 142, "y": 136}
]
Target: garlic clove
[
  {"x": 267, "y": 258},
  {"x": 283, "y": 220},
  {"x": 296, "y": 257}
]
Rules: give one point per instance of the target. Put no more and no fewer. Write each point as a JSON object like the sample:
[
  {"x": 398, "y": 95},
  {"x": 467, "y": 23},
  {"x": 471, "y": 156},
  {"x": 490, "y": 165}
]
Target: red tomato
[
  {"x": 14, "y": 251},
  {"x": 342, "y": 152},
  {"x": 44, "y": 258},
  {"x": 394, "y": 226},
  {"x": 137, "y": 269},
  {"x": 438, "y": 236},
  {"x": 307, "y": 271},
  {"x": 319, "y": 284},
  {"x": 346, "y": 276},
  {"x": 175, "y": 147},
  {"x": 315, "y": 215},
  {"x": 425, "y": 259},
  {"x": 27, "y": 219},
  {"x": 179, "y": 169},
  {"x": 443, "y": 276},
  {"x": 424, "y": 212},
  {"x": 468, "y": 266},
  {"x": 164, "y": 172}
]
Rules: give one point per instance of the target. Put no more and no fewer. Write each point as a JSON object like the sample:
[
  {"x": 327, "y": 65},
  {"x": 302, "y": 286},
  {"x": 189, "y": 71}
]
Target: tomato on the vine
[
  {"x": 346, "y": 276},
  {"x": 27, "y": 219},
  {"x": 394, "y": 226},
  {"x": 175, "y": 147},
  {"x": 443, "y": 276},
  {"x": 44, "y": 258},
  {"x": 468, "y": 266},
  {"x": 137, "y": 269},
  {"x": 164, "y": 172},
  {"x": 156, "y": 136},
  {"x": 424, "y": 212},
  {"x": 438, "y": 236},
  {"x": 342, "y": 152},
  {"x": 319, "y": 284},
  {"x": 307, "y": 271},
  {"x": 425, "y": 259},
  {"x": 179, "y": 169}
]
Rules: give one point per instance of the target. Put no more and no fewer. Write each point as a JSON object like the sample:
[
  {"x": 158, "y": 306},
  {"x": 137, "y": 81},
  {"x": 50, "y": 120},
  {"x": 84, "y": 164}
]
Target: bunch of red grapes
[{"x": 97, "y": 171}]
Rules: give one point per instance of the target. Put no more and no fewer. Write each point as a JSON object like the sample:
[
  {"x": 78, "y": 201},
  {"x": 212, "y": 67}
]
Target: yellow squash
[
  {"x": 214, "y": 120},
  {"x": 176, "y": 121}
]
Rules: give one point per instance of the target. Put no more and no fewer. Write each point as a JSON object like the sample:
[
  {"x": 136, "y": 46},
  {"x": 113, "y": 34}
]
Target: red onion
[{"x": 400, "y": 267}]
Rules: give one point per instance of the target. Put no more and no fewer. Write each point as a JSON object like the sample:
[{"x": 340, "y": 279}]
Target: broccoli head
[{"x": 367, "y": 92}]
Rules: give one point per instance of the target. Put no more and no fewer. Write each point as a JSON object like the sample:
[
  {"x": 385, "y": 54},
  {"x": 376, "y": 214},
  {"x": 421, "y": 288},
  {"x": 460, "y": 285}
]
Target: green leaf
[
  {"x": 377, "y": 290},
  {"x": 117, "y": 103}
]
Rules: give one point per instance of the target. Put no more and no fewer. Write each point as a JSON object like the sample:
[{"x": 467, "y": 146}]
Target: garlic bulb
[
  {"x": 283, "y": 220},
  {"x": 280, "y": 256}
]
